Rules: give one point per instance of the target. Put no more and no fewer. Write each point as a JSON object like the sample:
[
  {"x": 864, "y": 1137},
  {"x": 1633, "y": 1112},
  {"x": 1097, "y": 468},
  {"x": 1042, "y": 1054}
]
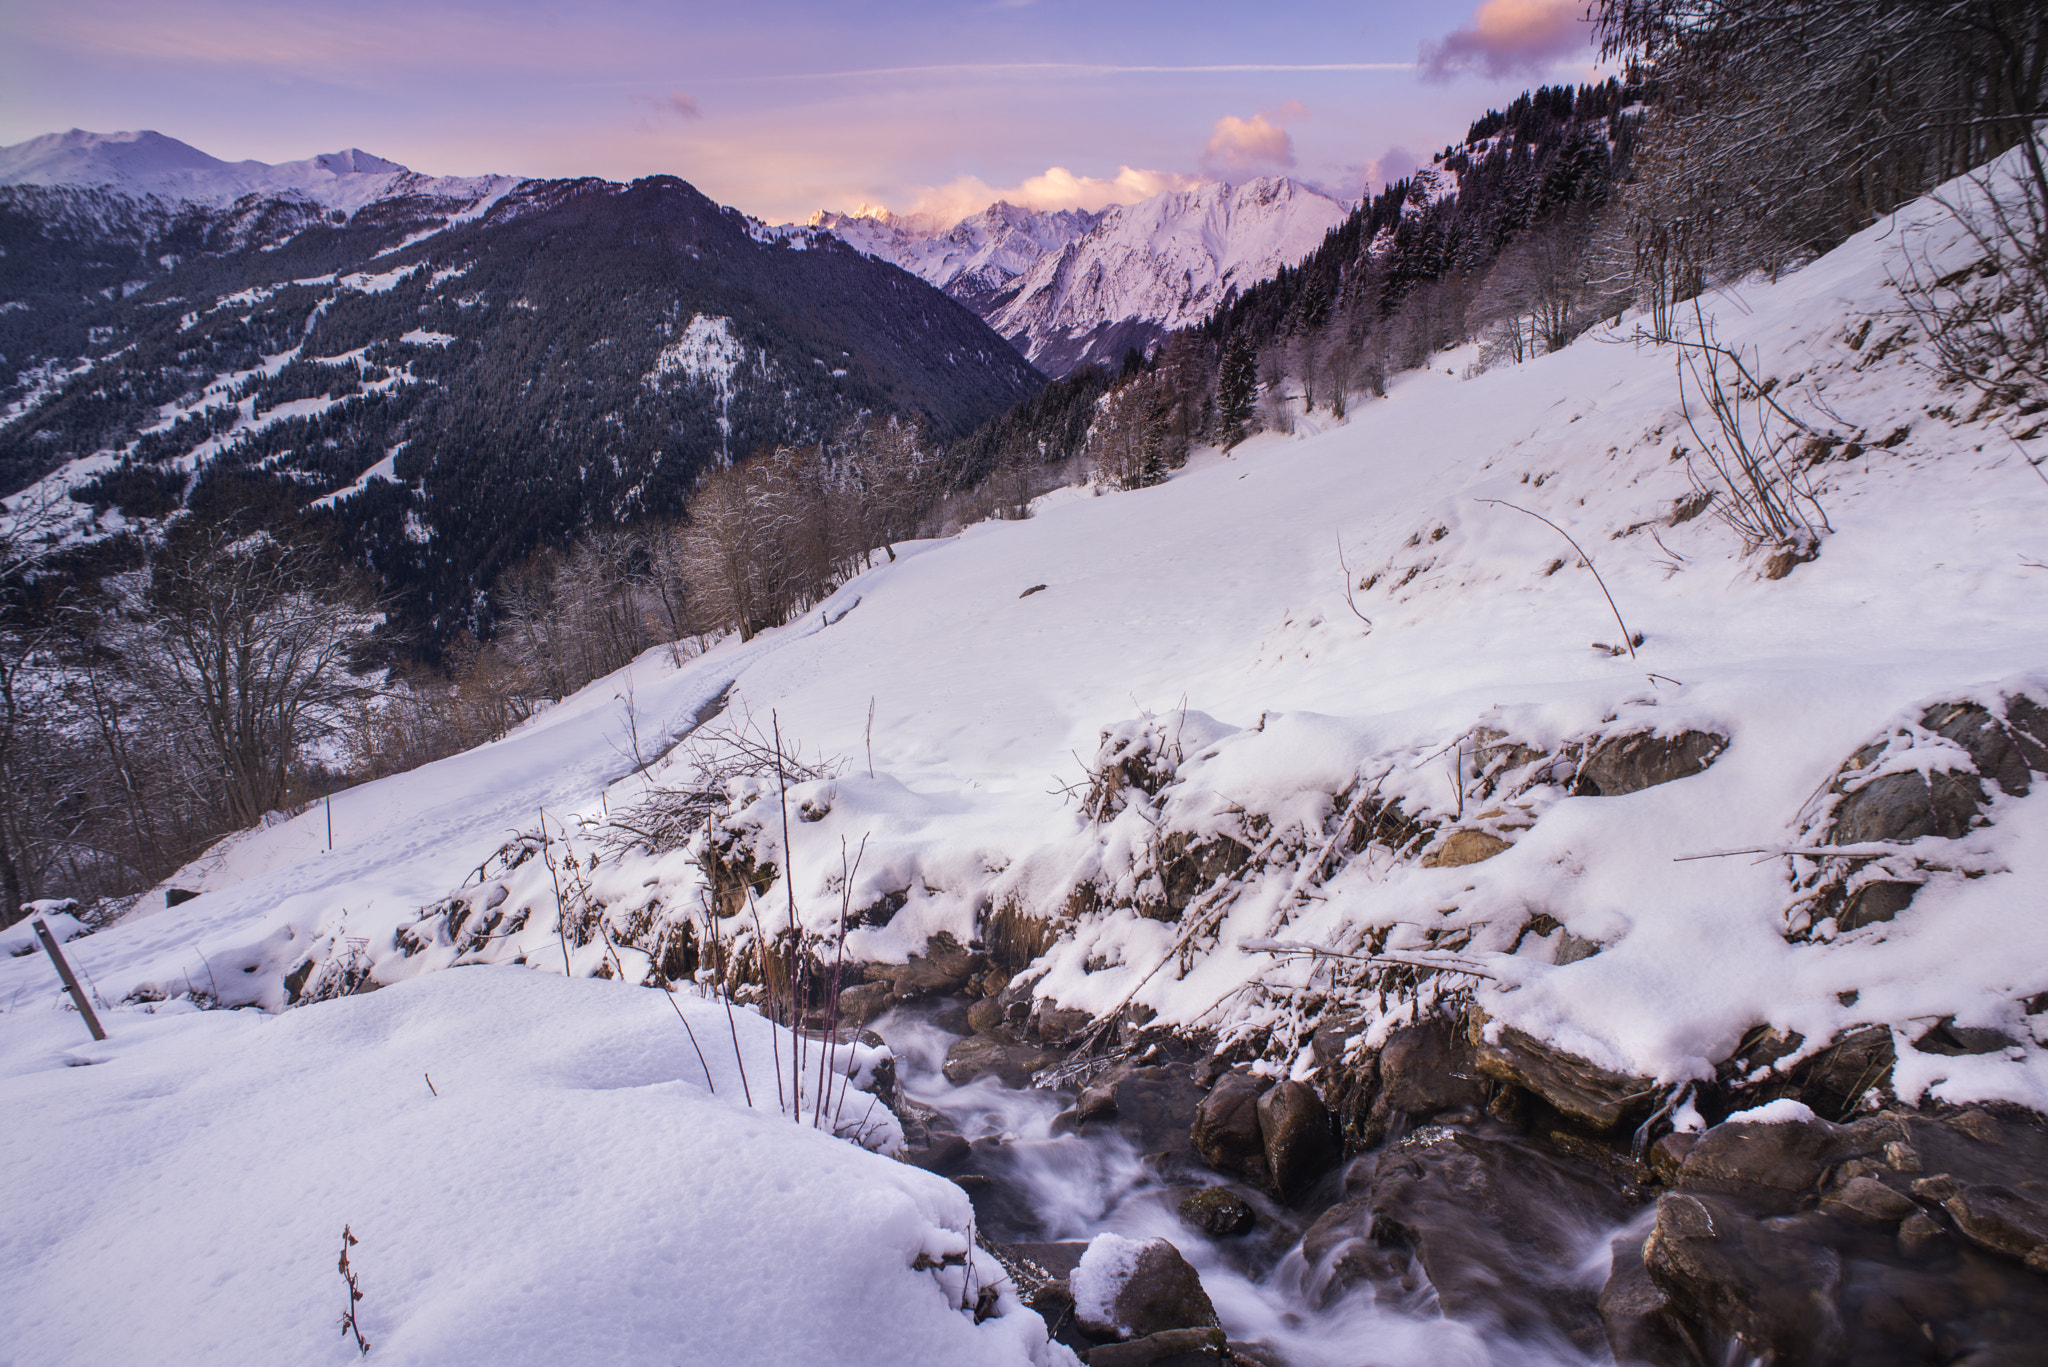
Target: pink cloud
[
  {"x": 1510, "y": 36},
  {"x": 1256, "y": 146},
  {"x": 1396, "y": 163},
  {"x": 1056, "y": 188}
]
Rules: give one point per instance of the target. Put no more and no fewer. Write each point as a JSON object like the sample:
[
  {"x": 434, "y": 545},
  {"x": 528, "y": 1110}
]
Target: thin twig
[
  {"x": 1870, "y": 849},
  {"x": 1627, "y": 637},
  {"x": 1349, "y": 602}
]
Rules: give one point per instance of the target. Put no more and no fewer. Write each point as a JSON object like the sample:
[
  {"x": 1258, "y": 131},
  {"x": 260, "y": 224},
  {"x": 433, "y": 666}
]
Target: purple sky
[{"x": 785, "y": 106}]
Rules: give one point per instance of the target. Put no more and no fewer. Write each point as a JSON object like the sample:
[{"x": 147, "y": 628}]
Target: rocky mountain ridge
[{"x": 1070, "y": 288}]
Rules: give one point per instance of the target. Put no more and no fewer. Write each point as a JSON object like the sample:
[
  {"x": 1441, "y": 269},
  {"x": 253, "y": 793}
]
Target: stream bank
[{"x": 1443, "y": 1215}]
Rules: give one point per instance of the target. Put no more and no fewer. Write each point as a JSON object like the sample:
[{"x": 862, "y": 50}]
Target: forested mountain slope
[{"x": 446, "y": 377}]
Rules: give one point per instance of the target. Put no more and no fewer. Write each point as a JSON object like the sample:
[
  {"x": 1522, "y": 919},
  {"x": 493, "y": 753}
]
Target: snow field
[{"x": 534, "y": 1169}]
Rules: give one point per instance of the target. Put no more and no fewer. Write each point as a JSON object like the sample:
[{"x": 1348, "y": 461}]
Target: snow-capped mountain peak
[
  {"x": 1069, "y": 287},
  {"x": 147, "y": 163}
]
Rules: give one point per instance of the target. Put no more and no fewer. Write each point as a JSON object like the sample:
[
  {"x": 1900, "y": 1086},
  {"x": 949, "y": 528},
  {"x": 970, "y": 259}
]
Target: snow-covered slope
[
  {"x": 148, "y": 164},
  {"x": 1072, "y": 288},
  {"x": 1216, "y": 610}
]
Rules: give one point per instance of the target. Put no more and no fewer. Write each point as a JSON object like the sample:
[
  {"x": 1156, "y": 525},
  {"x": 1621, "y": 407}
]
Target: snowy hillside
[
  {"x": 147, "y": 163},
  {"x": 1072, "y": 288},
  {"x": 1037, "y": 729}
]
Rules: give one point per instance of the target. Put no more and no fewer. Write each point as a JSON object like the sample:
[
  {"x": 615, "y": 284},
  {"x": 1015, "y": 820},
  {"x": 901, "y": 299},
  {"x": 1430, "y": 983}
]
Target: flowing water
[{"x": 1045, "y": 1186}]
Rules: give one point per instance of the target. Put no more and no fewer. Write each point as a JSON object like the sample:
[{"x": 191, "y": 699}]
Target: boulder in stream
[
  {"x": 1300, "y": 1141},
  {"x": 1226, "y": 1129},
  {"x": 1128, "y": 1289},
  {"x": 1218, "y": 1212},
  {"x": 1775, "y": 1290},
  {"x": 979, "y": 1055},
  {"x": 1498, "y": 1225}
]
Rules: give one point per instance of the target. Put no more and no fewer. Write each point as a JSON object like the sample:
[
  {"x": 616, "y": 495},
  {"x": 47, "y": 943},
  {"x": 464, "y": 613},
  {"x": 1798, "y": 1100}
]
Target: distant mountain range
[
  {"x": 448, "y": 372},
  {"x": 1070, "y": 288},
  {"x": 149, "y": 165}
]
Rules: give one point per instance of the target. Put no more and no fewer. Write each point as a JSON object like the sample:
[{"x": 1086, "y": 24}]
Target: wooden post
[{"x": 78, "y": 996}]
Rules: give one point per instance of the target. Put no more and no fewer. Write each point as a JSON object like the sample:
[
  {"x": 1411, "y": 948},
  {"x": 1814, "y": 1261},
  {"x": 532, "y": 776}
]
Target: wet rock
[
  {"x": 2004, "y": 1221},
  {"x": 1300, "y": 1141},
  {"x": 1949, "y": 1038},
  {"x": 1350, "y": 1080},
  {"x": 1057, "y": 1025},
  {"x": 1731, "y": 1273},
  {"x": 986, "y": 1017},
  {"x": 1218, "y": 1212},
  {"x": 1644, "y": 759},
  {"x": 1226, "y": 1129},
  {"x": 1938, "y": 1187},
  {"x": 1156, "y": 1108},
  {"x": 1498, "y": 1226},
  {"x": 1921, "y": 1237},
  {"x": 1641, "y": 1325},
  {"x": 1773, "y": 1164},
  {"x": 1041, "y": 1262},
  {"x": 1170, "y": 1348},
  {"x": 979, "y": 1055},
  {"x": 1095, "y": 1103},
  {"x": 1129, "y": 1290},
  {"x": 1425, "y": 1069},
  {"x": 1667, "y": 1155},
  {"x": 1835, "y": 1080},
  {"x": 1040, "y": 1272},
  {"x": 944, "y": 1153},
  {"x": 1463, "y": 847},
  {"x": 941, "y": 970},
  {"x": 1598, "y": 1098},
  {"x": 1867, "y": 1199},
  {"x": 863, "y": 1002},
  {"x": 2027, "y": 724}
]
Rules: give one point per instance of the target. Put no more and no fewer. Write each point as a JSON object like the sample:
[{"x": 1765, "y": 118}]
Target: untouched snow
[{"x": 527, "y": 1164}]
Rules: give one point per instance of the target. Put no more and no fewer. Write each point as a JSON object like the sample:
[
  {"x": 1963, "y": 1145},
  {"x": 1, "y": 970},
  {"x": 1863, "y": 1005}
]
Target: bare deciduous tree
[{"x": 245, "y": 646}]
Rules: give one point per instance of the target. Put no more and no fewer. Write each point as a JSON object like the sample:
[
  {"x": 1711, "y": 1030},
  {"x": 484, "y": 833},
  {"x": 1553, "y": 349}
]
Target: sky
[{"x": 782, "y": 107}]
